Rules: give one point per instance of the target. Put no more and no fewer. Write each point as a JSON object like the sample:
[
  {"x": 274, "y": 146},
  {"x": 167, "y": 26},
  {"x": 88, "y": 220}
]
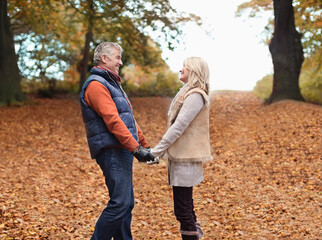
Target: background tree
[
  {"x": 287, "y": 54},
  {"x": 10, "y": 90},
  {"x": 308, "y": 21},
  {"x": 42, "y": 32},
  {"x": 130, "y": 23},
  {"x": 64, "y": 33}
]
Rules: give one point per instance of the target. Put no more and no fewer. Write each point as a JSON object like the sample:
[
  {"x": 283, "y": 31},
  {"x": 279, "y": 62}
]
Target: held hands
[
  {"x": 155, "y": 161},
  {"x": 143, "y": 154}
]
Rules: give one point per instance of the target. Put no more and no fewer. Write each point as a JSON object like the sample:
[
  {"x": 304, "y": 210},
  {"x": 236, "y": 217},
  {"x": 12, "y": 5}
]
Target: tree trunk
[
  {"x": 10, "y": 88},
  {"x": 83, "y": 65},
  {"x": 287, "y": 54}
]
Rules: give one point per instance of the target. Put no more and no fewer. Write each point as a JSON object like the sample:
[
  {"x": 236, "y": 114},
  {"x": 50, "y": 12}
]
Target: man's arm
[{"x": 99, "y": 98}]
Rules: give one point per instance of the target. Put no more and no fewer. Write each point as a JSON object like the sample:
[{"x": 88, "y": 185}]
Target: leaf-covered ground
[{"x": 264, "y": 182}]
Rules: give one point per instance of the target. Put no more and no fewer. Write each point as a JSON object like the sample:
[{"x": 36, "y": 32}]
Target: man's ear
[{"x": 104, "y": 58}]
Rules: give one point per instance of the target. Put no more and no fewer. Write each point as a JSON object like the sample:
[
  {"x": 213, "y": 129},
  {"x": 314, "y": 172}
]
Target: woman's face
[{"x": 184, "y": 74}]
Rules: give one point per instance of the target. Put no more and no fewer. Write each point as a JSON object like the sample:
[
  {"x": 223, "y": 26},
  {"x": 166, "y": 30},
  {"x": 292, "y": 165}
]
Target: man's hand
[{"x": 143, "y": 154}]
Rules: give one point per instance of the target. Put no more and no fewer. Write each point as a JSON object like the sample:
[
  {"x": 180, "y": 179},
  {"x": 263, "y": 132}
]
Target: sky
[{"x": 235, "y": 52}]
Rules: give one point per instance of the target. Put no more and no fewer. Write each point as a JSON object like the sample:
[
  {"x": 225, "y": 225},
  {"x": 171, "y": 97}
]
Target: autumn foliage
[{"x": 264, "y": 181}]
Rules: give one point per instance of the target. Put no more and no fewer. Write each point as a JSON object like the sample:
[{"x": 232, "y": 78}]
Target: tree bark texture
[
  {"x": 83, "y": 65},
  {"x": 287, "y": 54},
  {"x": 10, "y": 88}
]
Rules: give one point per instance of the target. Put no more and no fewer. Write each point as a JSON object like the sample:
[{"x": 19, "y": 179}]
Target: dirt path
[{"x": 264, "y": 182}]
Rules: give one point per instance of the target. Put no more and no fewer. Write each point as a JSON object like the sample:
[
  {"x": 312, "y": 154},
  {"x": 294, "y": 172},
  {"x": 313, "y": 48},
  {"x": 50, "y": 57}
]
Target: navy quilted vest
[{"x": 98, "y": 136}]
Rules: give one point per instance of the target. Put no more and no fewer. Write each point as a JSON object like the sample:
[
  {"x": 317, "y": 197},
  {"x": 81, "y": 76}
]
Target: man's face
[{"x": 113, "y": 62}]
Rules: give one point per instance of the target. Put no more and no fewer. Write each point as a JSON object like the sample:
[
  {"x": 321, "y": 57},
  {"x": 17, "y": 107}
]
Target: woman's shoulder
[
  {"x": 198, "y": 91},
  {"x": 195, "y": 99},
  {"x": 197, "y": 96}
]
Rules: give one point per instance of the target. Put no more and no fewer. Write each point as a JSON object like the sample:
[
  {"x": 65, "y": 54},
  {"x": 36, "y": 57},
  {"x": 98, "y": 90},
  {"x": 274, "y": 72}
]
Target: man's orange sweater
[{"x": 99, "y": 98}]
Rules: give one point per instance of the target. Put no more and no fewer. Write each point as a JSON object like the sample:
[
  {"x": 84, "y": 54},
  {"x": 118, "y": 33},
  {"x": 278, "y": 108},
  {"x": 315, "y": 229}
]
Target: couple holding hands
[{"x": 114, "y": 137}]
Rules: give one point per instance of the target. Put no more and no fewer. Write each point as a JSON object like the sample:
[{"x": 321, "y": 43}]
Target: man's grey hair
[{"x": 104, "y": 48}]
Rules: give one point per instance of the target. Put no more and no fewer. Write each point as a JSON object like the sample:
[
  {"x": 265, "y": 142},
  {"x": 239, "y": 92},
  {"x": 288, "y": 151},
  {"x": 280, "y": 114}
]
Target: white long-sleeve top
[{"x": 183, "y": 174}]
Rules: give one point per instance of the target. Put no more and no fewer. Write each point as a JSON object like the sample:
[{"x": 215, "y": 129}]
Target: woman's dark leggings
[{"x": 183, "y": 208}]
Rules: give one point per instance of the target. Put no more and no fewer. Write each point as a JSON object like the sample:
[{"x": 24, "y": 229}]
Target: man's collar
[{"x": 114, "y": 75}]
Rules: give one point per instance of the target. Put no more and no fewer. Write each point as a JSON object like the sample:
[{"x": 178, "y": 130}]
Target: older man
[{"x": 113, "y": 137}]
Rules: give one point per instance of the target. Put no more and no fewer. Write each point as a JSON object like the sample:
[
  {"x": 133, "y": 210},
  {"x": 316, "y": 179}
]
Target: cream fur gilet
[{"x": 194, "y": 144}]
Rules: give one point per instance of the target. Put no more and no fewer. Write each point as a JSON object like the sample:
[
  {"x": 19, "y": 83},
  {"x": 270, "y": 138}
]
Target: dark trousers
[
  {"x": 184, "y": 209},
  {"x": 115, "y": 220}
]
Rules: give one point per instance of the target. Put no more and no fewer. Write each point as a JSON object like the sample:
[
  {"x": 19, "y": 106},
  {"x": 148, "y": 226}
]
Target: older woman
[{"x": 187, "y": 143}]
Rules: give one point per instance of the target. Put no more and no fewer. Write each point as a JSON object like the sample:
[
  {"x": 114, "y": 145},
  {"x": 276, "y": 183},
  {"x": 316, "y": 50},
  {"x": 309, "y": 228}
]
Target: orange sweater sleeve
[
  {"x": 142, "y": 140},
  {"x": 99, "y": 98}
]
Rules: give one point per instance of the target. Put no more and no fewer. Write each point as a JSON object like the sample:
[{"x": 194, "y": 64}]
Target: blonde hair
[{"x": 199, "y": 73}]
